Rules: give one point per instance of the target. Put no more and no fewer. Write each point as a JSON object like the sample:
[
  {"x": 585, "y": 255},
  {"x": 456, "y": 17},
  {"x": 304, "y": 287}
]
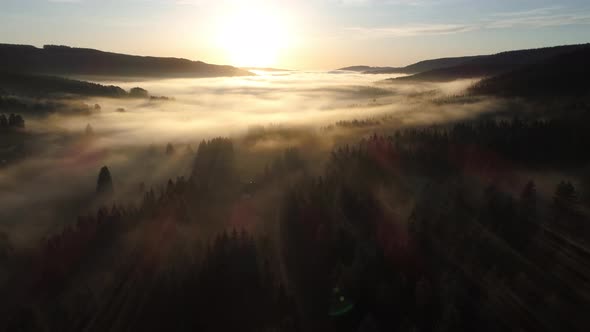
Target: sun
[{"x": 252, "y": 37}]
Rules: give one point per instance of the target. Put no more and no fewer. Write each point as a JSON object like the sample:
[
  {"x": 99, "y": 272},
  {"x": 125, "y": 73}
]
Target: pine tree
[
  {"x": 566, "y": 207},
  {"x": 104, "y": 183},
  {"x": 19, "y": 122},
  {"x": 528, "y": 202},
  {"x": 566, "y": 197},
  {"x": 3, "y": 121},
  {"x": 170, "y": 150},
  {"x": 89, "y": 130}
]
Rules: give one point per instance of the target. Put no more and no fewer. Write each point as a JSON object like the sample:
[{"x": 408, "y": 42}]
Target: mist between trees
[{"x": 306, "y": 204}]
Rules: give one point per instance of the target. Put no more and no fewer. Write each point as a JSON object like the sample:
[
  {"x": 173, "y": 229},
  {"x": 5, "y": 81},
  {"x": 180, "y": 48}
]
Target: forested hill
[
  {"x": 415, "y": 68},
  {"x": 494, "y": 64},
  {"x": 564, "y": 75},
  {"x": 373, "y": 70},
  {"x": 42, "y": 86},
  {"x": 63, "y": 60},
  {"x": 447, "y": 69}
]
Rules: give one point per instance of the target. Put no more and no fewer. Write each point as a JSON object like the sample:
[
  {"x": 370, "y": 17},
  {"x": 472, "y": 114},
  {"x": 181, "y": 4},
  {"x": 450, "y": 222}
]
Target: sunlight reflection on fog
[
  {"x": 63, "y": 165},
  {"x": 227, "y": 106}
]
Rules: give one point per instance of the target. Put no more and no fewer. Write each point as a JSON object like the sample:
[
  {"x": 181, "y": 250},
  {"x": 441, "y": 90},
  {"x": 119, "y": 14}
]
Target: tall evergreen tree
[
  {"x": 565, "y": 199},
  {"x": 105, "y": 182},
  {"x": 170, "y": 150},
  {"x": 89, "y": 131},
  {"x": 3, "y": 120}
]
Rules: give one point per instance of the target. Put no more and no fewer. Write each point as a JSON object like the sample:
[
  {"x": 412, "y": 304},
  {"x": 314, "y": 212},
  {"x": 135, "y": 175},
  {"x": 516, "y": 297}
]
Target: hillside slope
[
  {"x": 491, "y": 65},
  {"x": 42, "y": 86},
  {"x": 415, "y": 68},
  {"x": 63, "y": 60},
  {"x": 563, "y": 75}
]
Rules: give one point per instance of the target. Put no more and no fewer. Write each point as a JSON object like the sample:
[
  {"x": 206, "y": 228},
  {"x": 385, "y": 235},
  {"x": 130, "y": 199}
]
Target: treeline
[
  {"x": 351, "y": 124},
  {"x": 498, "y": 143},
  {"x": 32, "y": 85},
  {"x": 44, "y": 106},
  {"x": 38, "y": 85},
  {"x": 12, "y": 121},
  {"x": 13, "y": 139}
]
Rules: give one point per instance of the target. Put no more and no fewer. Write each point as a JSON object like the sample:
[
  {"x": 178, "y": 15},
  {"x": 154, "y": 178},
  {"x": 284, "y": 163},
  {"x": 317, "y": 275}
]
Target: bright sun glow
[{"x": 253, "y": 37}]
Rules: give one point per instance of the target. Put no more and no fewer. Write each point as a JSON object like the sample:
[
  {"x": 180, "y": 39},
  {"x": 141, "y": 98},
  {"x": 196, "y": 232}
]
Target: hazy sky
[{"x": 300, "y": 34}]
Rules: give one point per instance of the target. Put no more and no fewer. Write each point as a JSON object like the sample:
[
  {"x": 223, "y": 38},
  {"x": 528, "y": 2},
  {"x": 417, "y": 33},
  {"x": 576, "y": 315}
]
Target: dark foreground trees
[
  {"x": 12, "y": 121},
  {"x": 429, "y": 229}
]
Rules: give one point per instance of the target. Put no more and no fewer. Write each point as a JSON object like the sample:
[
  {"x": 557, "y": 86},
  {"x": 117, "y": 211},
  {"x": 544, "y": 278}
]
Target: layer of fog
[
  {"x": 227, "y": 107},
  {"x": 57, "y": 180}
]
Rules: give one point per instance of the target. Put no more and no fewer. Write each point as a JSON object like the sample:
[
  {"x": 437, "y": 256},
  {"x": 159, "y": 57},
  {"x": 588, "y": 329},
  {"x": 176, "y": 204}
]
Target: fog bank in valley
[{"x": 57, "y": 180}]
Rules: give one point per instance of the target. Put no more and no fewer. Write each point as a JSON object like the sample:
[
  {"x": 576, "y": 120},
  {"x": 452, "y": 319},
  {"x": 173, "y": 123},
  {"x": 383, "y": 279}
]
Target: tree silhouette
[
  {"x": 105, "y": 183},
  {"x": 89, "y": 131},
  {"x": 13, "y": 121},
  {"x": 170, "y": 150},
  {"x": 566, "y": 198},
  {"x": 3, "y": 121},
  {"x": 138, "y": 93},
  {"x": 528, "y": 222}
]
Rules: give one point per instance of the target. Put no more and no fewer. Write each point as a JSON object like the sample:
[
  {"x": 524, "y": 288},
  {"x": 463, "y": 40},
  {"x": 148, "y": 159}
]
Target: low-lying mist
[{"x": 264, "y": 114}]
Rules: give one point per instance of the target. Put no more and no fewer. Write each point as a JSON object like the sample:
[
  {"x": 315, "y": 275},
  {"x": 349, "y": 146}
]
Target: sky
[{"x": 297, "y": 34}]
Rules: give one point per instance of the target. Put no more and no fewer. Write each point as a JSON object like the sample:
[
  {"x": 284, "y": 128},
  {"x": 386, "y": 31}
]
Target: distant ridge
[
  {"x": 448, "y": 69},
  {"x": 415, "y": 68},
  {"x": 64, "y": 60},
  {"x": 265, "y": 69},
  {"x": 373, "y": 70}
]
